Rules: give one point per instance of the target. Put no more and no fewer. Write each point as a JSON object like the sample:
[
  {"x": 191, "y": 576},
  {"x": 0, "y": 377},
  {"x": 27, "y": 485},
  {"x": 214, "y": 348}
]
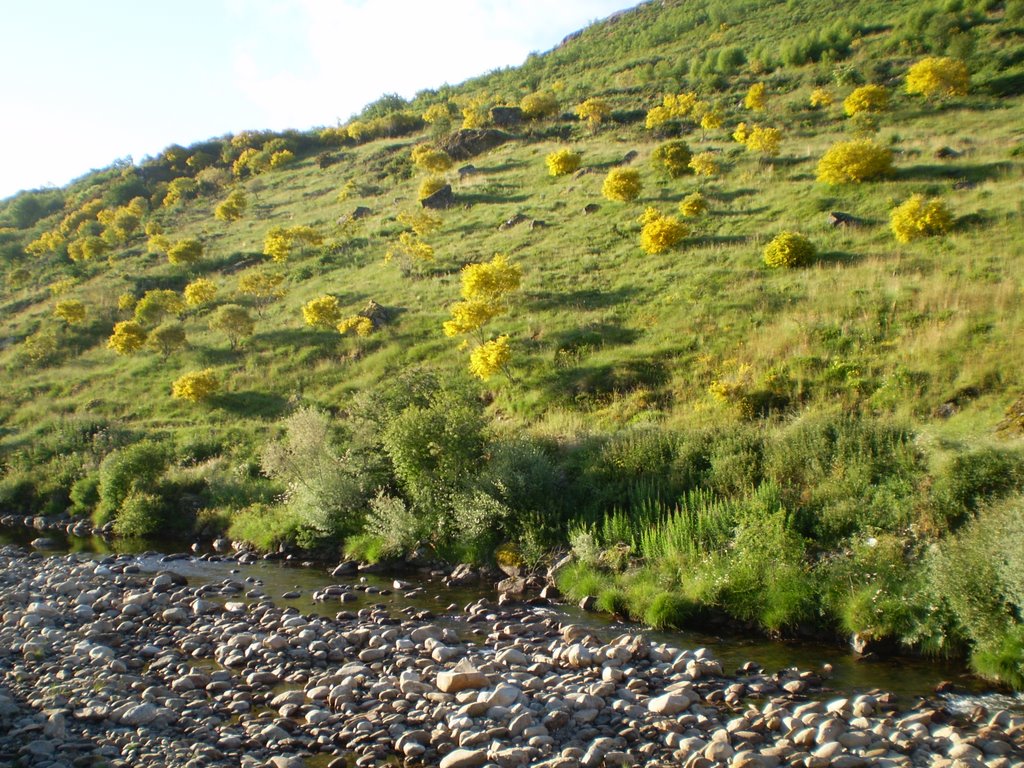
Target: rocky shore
[{"x": 102, "y": 664}]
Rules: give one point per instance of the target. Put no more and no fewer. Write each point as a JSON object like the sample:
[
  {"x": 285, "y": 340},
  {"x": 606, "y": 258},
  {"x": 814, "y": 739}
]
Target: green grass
[{"x": 670, "y": 404}]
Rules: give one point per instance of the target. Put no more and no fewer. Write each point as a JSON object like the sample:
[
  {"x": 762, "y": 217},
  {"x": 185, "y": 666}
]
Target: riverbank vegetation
[{"x": 798, "y": 406}]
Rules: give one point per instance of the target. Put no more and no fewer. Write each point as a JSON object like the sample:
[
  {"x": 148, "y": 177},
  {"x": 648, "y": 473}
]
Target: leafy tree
[
  {"x": 741, "y": 133},
  {"x": 199, "y": 292},
  {"x": 562, "y": 162},
  {"x": 704, "y": 164},
  {"x": 854, "y": 161},
  {"x": 940, "y": 76},
  {"x": 491, "y": 357},
  {"x": 196, "y": 386},
  {"x": 233, "y": 207},
  {"x": 234, "y": 321},
  {"x": 622, "y": 184},
  {"x": 323, "y": 312},
  {"x": 71, "y": 311},
  {"x": 185, "y": 252},
  {"x": 673, "y": 158},
  {"x": 660, "y": 233},
  {"x": 167, "y": 338},
  {"x": 485, "y": 291},
  {"x": 438, "y": 114},
  {"x": 767, "y": 141},
  {"x": 539, "y": 105},
  {"x": 264, "y": 287},
  {"x": 595, "y": 111},
  {"x": 693, "y": 205},
  {"x": 789, "y": 249},
  {"x": 128, "y": 337},
  {"x": 917, "y": 218},
  {"x": 754, "y": 100},
  {"x": 156, "y": 304},
  {"x": 872, "y": 99}
]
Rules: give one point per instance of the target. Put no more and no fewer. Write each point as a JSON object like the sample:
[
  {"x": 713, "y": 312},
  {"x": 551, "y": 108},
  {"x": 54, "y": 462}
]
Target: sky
[{"x": 84, "y": 83}]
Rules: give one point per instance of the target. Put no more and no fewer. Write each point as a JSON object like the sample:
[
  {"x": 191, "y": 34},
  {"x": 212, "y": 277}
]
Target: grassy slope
[{"x": 606, "y": 337}]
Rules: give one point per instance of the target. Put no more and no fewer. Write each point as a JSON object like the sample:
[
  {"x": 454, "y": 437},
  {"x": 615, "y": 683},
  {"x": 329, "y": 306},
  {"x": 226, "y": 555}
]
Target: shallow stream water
[{"x": 910, "y": 678}]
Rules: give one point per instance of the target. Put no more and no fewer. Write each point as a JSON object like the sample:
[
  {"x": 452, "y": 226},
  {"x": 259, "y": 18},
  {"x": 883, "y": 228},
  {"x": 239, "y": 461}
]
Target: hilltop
[{"x": 829, "y": 437}]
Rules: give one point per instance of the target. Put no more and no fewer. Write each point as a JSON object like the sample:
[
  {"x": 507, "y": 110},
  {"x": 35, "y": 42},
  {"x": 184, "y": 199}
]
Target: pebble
[{"x": 156, "y": 673}]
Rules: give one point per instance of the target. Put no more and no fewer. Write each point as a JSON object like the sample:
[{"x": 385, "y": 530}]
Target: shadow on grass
[
  {"x": 594, "y": 335},
  {"x": 1006, "y": 86},
  {"x": 707, "y": 240},
  {"x": 588, "y": 381},
  {"x": 837, "y": 258},
  {"x": 589, "y": 298},
  {"x": 733, "y": 194},
  {"x": 489, "y": 198},
  {"x": 265, "y": 404},
  {"x": 748, "y": 212},
  {"x": 970, "y": 173},
  {"x": 508, "y": 165}
]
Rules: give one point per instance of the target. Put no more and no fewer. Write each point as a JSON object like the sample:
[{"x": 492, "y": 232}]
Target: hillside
[{"x": 834, "y": 444}]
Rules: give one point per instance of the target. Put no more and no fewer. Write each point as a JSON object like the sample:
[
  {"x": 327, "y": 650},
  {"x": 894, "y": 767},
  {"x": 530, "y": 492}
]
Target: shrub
[
  {"x": 562, "y": 162},
  {"x": 196, "y": 386},
  {"x": 155, "y": 305},
  {"x": 741, "y": 133},
  {"x": 395, "y": 528},
  {"x": 704, "y": 164},
  {"x": 821, "y": 97},
  {"x": 279, "y": 241},
  {"x": 324, "y": 488},
  {"x": 282, "y": 159},
  {"x": 430, "y": 185},
  {"x": 262, "y": 286},
  {"x": 917, "y": 218},
  {"x": 693, "y": 205},
  {"x": 429, "y": 158},
  {"x": 185, "y": 252},
  {"x": 870, "y": 98},
  {"x": 323, "y": 312},
  {"x": 660, "y": 233},
  {"x": 233, "y": 206},
  {"x": 622, "y": 184},
  {"x": 539, "y": 105},
  {"x": 754, "y": 100},
  {"x": 182, "y": 188},
  {"x": 673, "y": 158},
  {"x": 854, "y": 161},
  {"x": 71, "y": 311},
  {"x": 141, "y": 514},
  {"x": 133, "y": 468},
  {"x": 938, "y": 76},
  {"x": 789, "y": 249}
]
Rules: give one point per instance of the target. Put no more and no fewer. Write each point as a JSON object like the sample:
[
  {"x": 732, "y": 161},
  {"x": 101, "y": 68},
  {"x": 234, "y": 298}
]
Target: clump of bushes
[
  {"x": 673, "y": 158},
  {"x": 660, "y": 233}
]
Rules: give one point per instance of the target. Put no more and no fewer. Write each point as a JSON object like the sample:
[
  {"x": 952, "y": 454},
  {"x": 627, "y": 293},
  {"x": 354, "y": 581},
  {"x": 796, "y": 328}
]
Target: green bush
[
  {"x": 673, "y": 158},
  {"x": 85, "y": 494},
  {"x": 134, "y": 468},
  {"x": 140, "y": 515}
]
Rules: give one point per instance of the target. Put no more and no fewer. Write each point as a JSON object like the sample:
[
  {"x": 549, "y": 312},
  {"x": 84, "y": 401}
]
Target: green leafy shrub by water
[{"x": 134, "y": 468}]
